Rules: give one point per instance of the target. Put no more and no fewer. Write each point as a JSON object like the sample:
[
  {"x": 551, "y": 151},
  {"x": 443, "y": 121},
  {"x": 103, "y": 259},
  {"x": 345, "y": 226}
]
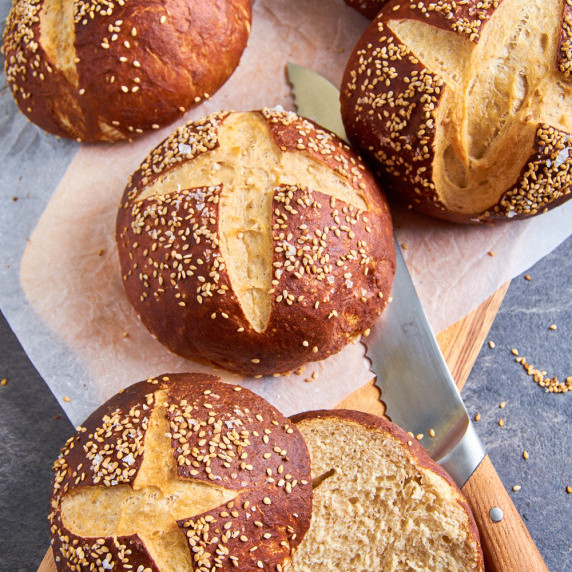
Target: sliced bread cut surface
[{"x": 380, "y": 502}]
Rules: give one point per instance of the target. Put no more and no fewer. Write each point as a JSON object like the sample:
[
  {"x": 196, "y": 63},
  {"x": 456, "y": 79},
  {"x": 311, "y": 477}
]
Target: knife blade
[{"x": 417, "y": 387}]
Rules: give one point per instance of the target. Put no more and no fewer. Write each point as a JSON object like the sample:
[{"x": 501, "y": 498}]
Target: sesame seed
[{"x": 525, "y": 455}]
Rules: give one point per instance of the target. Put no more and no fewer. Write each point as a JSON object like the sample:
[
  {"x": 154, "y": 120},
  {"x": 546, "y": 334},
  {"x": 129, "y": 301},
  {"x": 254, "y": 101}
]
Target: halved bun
[{"x": 380, "y": 502}]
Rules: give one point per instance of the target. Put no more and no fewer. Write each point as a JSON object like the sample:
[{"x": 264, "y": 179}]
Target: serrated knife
[{"x": 417, "y": 388}]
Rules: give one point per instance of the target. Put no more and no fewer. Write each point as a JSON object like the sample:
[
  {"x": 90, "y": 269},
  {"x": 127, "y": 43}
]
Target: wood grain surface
[
  {"x": 460, "y": 344},
  {"x": 507, "y": 544}
]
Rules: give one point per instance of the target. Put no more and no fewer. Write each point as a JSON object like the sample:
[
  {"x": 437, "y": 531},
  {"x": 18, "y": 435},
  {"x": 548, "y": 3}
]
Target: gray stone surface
[
  {"x": 32, "y": 429},
  {"x": 534, "y": 421}
]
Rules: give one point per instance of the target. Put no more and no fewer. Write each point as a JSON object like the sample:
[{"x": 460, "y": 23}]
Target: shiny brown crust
[
  {"x": 411, "y": 447},
  {"x": 312, "y": 315},
  {"x": 265, "y": 449},
  {"x": 400, "y": 142},
  {"x": 131, "y": 66},
  {"x": 369, "y": 8}
]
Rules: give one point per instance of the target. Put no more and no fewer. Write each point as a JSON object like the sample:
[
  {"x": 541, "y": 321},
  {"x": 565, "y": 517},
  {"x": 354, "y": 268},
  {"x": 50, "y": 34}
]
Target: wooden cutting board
[{"x": 460, "y": 344}]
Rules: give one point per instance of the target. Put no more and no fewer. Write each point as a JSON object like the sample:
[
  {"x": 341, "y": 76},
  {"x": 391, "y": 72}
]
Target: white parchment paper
[{"x": 61, "y": 288}]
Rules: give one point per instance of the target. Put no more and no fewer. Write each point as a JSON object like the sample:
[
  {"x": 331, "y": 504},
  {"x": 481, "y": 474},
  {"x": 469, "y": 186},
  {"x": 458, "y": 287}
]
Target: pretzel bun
[
  {"x": 369, "y": 8},
  {"x": 255, "y": 240},
  {"x": 466, "y": 108},
  {"x": 405, "y": 512},
  {"x": 105, "y": 71},
  {"x": 181, "y": 472}
]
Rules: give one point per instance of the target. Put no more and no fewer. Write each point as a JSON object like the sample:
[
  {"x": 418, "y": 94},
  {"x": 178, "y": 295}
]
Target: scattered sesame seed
[
  {"x": 3, "y": 381},
  {"x": 478, "y": 417},
  {"x": 516, "y": 487},
  {"x": 67, "y": 399},
  {"x": 540, "y": 377},
  {"x": 552, "y": 327},
  {"x": 525, "y": 455},
  {"x": 502, "y": 404},
  {"x": 501, "y": 422},
  {"x": 492, "y": 345}
]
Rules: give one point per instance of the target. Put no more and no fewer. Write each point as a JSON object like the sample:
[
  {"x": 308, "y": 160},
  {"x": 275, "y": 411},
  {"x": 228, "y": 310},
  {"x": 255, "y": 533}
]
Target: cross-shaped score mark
[
  {"x": 250, "y": 166},
  {"x": 500, "y": 89},
  {"x": 151, "y": 507}
]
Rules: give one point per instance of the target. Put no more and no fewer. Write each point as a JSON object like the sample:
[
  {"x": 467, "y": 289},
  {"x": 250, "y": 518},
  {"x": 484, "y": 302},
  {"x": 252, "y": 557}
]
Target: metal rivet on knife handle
[{"x": 496, "y": 514}]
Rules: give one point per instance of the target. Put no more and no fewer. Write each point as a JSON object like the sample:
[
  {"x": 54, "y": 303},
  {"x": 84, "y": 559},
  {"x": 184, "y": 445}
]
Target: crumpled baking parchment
[{"x": 61, "y": 289}]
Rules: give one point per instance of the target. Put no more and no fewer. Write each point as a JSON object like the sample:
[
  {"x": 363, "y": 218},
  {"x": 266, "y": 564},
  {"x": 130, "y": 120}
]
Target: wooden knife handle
[{"x": 507, "y": 544}]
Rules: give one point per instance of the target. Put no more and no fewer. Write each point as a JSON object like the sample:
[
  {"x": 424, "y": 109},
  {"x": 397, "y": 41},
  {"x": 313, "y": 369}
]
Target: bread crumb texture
[
  {"x": 466, "y": 107},
  {"x": 379, "y": 504},
  {"x": 104, "y": 70},
  {"x": 181, "y": 472},
  {"x": 256, "y": 240}
]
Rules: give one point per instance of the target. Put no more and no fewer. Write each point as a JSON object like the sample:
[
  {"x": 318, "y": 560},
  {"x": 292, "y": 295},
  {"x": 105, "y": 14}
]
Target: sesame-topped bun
[
  {"x": 369, "y": 8},
  {"x": 256, "y": 240},
  {"x": 380, "y": 502},
  {"x": 466, "y": 107},
  {"x": 105, "y": 70},
  {"x": 178, "y": 473}
]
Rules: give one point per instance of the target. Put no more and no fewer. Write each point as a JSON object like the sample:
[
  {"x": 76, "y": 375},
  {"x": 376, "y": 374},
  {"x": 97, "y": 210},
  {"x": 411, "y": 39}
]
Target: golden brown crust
[
  {"x": 333, "y": 264},
  {"x": 220, "y": 434},
  {"x": 104, "y": 71},
  {"x": 394, "y": 104},
  {"x": 411, "y": 445}
]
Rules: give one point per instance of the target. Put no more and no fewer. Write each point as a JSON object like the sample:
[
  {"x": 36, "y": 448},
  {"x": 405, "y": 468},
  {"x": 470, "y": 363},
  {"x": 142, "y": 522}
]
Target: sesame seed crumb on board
[{"x": 540, "y": 377}]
